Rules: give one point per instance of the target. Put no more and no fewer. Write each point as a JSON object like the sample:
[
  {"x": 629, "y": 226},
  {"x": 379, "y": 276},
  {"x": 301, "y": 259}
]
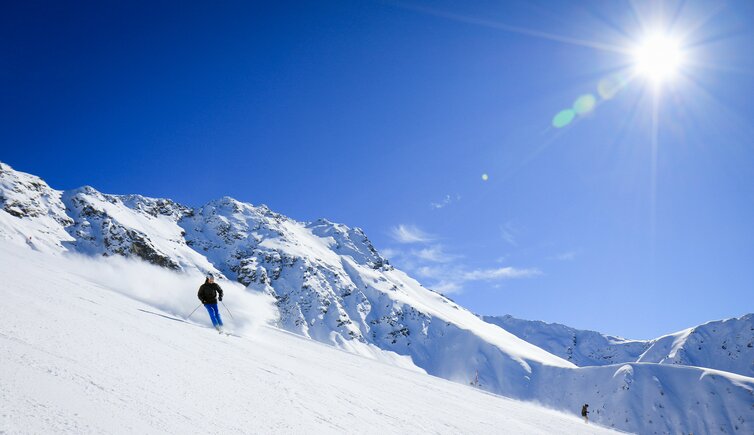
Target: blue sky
[{"x": 634, "y": 219}]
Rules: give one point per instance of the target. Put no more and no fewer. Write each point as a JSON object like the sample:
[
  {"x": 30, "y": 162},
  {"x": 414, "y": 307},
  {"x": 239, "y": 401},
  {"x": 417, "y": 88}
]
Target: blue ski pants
[{"x": 214, "y": 314}]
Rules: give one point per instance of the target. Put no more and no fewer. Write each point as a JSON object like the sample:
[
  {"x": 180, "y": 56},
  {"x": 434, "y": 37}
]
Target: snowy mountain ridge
[
  {"x": 726, "y": 345},
  {"x": 330, "y": 284}
]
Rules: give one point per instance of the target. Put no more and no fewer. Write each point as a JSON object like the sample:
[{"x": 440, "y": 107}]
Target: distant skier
[
  {"x": 208, "y": 294},
  {"x": 585, "y": 413}
]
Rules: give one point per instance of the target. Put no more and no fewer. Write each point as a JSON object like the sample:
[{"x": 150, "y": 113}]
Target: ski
[{"x": 221, "y": 332}]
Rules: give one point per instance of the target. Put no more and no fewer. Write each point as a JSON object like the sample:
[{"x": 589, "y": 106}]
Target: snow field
[{"x": 79, "y": 356}]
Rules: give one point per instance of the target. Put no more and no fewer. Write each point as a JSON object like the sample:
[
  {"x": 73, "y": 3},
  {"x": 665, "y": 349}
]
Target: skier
[
  {"x": 585, "y": 413},
  {"x": 208, "y": 294}
]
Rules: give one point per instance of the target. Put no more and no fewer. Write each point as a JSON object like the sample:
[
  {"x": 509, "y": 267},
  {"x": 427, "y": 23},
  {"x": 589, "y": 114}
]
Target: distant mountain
[
  {"x": 333, "y": 286},
  {"x": 726, "y": 345}
]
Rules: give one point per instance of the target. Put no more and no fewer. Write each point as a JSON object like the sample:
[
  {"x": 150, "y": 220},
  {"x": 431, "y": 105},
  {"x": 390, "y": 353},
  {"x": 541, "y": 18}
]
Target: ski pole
[
  {"x": 197, "y": 307},
  {"x": 226, "y": 308}
]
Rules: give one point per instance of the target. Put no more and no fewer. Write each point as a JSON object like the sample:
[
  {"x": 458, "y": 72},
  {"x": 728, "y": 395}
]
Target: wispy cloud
[
  {"x": 389, "y": 253},
  {"x": 446, "y": 201},
  {"x": 434, "y": 254},
  {"x": 443, "y": 271},
  {"x": 499, "y": 273},
  {"x": 566, "y": 256},
  {"x": 508, "y": 232},
  {"x": 446, "y": 273},
  {"x": 452, "y": 280},
  {"x": 410, "y": 234},
  {"x": 447, "y": 287},
  {"x": 414, "y": 260}
]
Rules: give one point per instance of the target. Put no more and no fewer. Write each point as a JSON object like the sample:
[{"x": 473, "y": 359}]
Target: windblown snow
[{"x": 326, "y": 282}]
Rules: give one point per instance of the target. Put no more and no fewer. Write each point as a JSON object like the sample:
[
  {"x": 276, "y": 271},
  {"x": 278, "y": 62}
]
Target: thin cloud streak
[
  {"x": 445, "y": 201},
  {"x": 434, "y": 254},
  {"x": 500, "y": 273},
  {"x": 445, "y": 272},
  {"x": 410, "y": 234},
  {"x": 566, "y": 256},
  {"x": 452, "y": 280},
  {"x": 508, "y": 233}
]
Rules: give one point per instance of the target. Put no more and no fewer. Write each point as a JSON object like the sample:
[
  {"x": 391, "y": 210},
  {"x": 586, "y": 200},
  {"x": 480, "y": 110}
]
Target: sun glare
[{"x": 658, "y": 58}]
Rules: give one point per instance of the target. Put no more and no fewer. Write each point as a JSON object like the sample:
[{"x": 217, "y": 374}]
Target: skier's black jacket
[{"x": 208, "y": 293}]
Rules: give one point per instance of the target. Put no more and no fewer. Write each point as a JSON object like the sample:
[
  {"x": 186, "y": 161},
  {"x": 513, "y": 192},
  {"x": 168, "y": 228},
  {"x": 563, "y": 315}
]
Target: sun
[{"x": 658, "y": 58}]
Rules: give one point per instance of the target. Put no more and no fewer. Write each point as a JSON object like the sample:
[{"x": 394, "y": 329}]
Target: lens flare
[
  {"x": 610, "y": 86},
  {"x": 584, "y": 104},
  {"x": 563, "y": 118}
]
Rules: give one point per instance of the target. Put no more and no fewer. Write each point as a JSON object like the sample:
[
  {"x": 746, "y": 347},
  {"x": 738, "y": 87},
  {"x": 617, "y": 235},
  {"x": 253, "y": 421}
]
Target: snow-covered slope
[
  {"x": 330, "y": 284},
  {"x": 329, "y": 281},
  {"x": 333, "y": 286},
  {"x": 726, "y": 345},
  {"x": 650, "y": 398},
  {"x": 722, "y": 344},
  {"x": 79, "y": 357}
]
